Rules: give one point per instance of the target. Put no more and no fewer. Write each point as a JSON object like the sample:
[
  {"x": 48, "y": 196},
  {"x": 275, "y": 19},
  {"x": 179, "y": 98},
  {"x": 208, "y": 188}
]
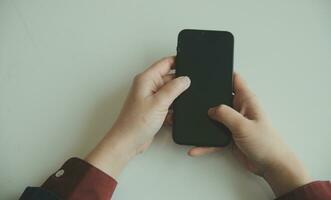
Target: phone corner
[
  {"x": 181, "y": 32},
  {"x": 230, "y": 35},
  {"x": 176, "y": 139}
]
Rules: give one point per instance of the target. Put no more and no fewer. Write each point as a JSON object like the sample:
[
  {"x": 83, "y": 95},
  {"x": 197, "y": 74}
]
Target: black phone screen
[{"x": 206, "y": 57}]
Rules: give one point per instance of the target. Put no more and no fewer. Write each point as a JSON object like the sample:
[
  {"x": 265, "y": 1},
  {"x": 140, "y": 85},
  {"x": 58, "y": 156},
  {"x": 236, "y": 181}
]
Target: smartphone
[{"x": 206, "y": 57}]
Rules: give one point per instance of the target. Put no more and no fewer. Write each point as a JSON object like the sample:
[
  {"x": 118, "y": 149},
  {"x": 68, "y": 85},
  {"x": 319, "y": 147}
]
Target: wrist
[
  {"x": 284, "y": 176},
  {"x": 111, "y": 155}
]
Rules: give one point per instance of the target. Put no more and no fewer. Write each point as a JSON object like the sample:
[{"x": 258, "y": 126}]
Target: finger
[
  {"x": 161, "y": 67},
  {"x": 170, "y": 91},
  {"x": 240, "y": 87},
  {"x": 168, "y": 77},
  {"x": 199, "y": 151},
  {"x": 239, "y": 84},
  {"x": 151, "y": 79},
  {"x": 156, "y": 85},
  {"x": 248, "y": 97},
  {"x": 169, "y": 119},
  {"x": 228, "y": 116}
]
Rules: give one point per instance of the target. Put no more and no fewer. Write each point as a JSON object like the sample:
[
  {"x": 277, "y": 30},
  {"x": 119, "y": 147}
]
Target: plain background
[{"x": 66, "y": 67}]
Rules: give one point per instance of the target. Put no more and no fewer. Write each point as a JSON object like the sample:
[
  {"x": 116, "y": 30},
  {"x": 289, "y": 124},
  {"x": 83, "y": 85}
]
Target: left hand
[{"x": 141, "y": 117}]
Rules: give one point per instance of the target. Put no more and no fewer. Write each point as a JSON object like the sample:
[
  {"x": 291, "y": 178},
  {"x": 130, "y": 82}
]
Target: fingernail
[
  {"x": 186, "y": 79},
  {"x": 211, "y": 111}
]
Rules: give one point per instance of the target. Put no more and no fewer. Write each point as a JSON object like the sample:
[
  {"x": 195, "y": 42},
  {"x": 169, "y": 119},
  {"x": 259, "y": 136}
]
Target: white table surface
[{"x": 66, "y": 66}]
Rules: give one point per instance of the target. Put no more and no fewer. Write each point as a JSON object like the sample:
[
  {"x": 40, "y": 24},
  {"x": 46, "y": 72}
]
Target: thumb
[
  {"x": 171, "y": 90},
  {"x": 232, "y": 119}
]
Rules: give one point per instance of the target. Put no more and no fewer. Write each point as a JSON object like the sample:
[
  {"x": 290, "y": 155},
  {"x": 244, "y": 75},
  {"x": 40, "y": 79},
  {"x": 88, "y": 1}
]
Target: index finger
[{"x": 161, "y": 67}]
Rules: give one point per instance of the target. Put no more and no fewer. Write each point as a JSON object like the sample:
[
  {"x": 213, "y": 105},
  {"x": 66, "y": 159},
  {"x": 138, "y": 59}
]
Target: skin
[{"x": 256, "y": 144}]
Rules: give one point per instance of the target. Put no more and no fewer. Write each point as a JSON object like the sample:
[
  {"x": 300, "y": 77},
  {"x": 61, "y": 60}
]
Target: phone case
[{"x": 207, "y": 58}]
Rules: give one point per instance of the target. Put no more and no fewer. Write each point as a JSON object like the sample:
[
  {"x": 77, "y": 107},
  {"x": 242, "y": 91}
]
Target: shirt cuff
[
  {"x": 78, "y": 179},
  {"x": 317, "y": 190}
]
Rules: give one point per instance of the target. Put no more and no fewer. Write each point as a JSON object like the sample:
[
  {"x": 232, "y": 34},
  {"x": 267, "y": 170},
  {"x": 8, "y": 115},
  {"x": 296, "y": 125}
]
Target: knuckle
[
  {"x": 138, "y": 78},
  {"x": 169, "y": 60},
  {"x": 162, "y": 60}
]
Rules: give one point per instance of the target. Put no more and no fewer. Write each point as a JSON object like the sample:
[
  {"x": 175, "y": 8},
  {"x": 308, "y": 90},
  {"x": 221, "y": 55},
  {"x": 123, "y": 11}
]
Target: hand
[
  {"x": 141, "y": 117},
  {"x": 256, "y": 144}
]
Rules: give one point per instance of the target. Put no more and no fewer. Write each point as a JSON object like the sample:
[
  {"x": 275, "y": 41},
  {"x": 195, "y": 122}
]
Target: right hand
[{"x": 256, "y": 144}]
